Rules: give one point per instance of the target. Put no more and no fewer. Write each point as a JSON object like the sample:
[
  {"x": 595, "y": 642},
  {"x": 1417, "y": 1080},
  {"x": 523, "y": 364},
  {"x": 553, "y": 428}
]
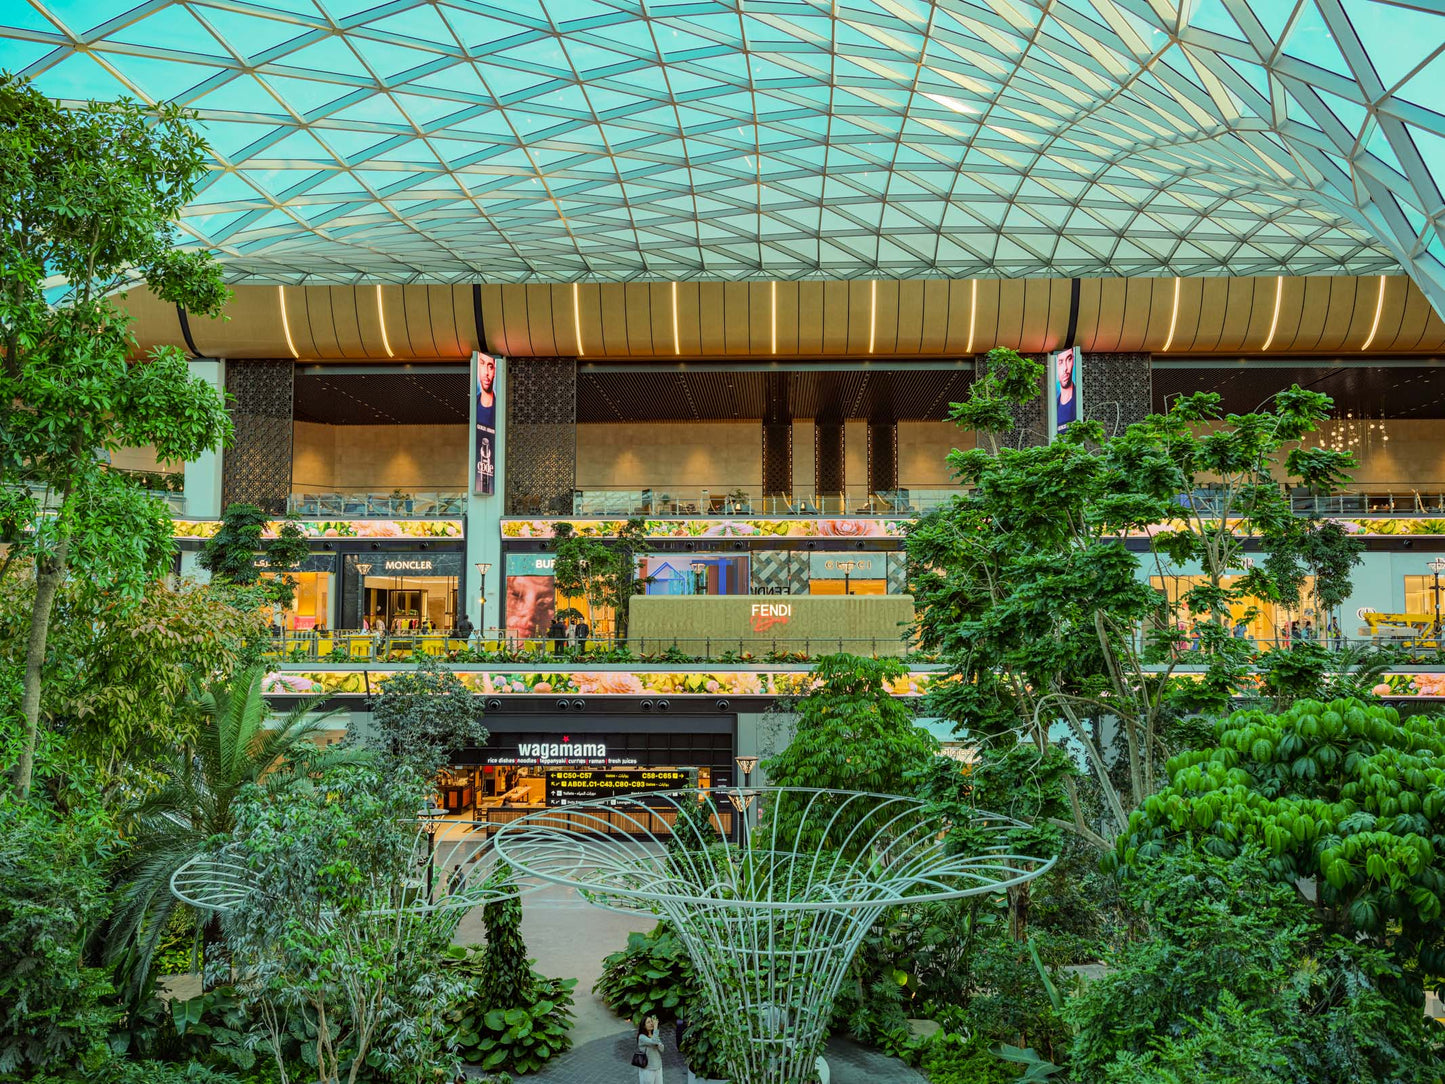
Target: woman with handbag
[{"x": 648, "y": 1058}]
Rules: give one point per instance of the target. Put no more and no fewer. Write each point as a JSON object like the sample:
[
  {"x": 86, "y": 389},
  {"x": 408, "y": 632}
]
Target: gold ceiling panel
[{"x": 757, "y": 319}]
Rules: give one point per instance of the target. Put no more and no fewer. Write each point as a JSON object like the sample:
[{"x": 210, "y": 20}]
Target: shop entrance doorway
[{"x": 416, "y": 602}]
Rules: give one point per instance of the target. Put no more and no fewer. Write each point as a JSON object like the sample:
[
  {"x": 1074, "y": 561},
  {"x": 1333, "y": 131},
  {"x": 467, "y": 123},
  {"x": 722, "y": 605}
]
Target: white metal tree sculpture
[{"x": 772, "y": 921}]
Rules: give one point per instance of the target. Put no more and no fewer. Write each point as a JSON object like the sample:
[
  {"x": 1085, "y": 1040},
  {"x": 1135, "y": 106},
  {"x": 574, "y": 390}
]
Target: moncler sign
[{"x": 407, "y": 565}]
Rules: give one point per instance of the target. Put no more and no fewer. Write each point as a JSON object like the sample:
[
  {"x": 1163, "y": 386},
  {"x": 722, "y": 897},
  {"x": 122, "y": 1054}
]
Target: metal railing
[
  {"x": 360, "y": 503},
  {"x": 745, "y": 500},
  {"x": 508, "y": 646},
  {"x": 50, "y": 501}
]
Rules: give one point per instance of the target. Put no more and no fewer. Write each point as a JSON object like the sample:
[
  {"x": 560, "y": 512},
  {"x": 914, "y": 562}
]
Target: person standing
[
  {"x": 581, "y": 632},
  {"x": 649, "y": 1045},
  {"x": 464, "y": 628},
  {"x": 1335, "y": 644},
  {"x": 556, "y": 632}
]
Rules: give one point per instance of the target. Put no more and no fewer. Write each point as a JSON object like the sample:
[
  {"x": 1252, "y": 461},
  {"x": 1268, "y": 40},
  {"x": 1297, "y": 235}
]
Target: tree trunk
[{"x": 48, "y": 577}]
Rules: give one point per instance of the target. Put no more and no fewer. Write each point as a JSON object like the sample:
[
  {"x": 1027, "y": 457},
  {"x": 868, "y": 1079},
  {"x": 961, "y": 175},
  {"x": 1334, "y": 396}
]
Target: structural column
[
  {"x": 256, "y": 468},
  {"x": 777, "y": 439},
  {"x": 1118, "y": 389},
  {"x": 481, "y": 599},
  {"x": 203, "y": 475},
  {"x": 829, "y": 447}
]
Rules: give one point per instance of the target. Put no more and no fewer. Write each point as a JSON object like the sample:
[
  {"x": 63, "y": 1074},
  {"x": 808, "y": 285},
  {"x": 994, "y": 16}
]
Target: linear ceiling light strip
[
  {"x": 286, "y": 323},
  {"x": 381, "y": 315},
  {"x": 577, "y": 318},
  {"x": 1274, "y": 322},
  {"x": 1379, "y": 308},
  {"x": 872, "y": 311},
  {"x": 676, "y": 340},
  {"x": 1173, "y": 318},
  {"x": 773, "y": 323},
  {"x": 972, "y": 312}
]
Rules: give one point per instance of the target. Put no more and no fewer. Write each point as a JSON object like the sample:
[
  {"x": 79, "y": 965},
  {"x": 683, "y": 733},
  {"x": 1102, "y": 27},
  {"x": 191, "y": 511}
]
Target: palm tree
[{"x": 236, "y": 745}]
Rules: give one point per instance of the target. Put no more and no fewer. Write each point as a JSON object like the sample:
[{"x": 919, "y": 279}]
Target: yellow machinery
[{"x": 1401, "y": 630}]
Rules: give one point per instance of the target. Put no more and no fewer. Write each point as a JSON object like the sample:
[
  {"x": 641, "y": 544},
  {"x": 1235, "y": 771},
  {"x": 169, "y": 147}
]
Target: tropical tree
[
  {"x": 335, "y": 929},
  {"x": 239, "y": 552},
  {"x": 115, "y": 673},
  {"x": 1028, "y": 589},
  {"x": 1343, "y": 799},
  {"x": 603, "y": 573},
  {"x": 424, "y": 718},
  {"x": 236, "y": 745},
  {"x": 91, "y": 197},
  {"x": 850, "y": 734}
]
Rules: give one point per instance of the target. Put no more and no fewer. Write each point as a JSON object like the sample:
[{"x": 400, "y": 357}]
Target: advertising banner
[
  {"x": 1065, "y": 389},
  {"x": 484, "y": 380}
]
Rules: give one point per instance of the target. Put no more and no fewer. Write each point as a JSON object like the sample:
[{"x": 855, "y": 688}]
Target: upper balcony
[
  {"x": 360, "y": 502},
  {"x": 750, "y": 500}
]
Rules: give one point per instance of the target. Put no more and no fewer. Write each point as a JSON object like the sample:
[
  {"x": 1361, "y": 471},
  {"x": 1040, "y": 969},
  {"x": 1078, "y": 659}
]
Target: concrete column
[
  {"x": 203, "y": 477},
  {"x": 484, "y": 516}
]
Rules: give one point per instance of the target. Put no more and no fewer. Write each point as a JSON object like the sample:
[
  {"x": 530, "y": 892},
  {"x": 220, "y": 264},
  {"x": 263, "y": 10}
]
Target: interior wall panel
[
  {"x": 887, "y": 328},
  {"x": 688, "y": 314},
  {"x": 711, "y": 319},
  {"x": 637, "y": 299},
  {"x": 1060, "y": 293},
  {"x": 790, "y": 325},
  {"x": 1253, "y": 316},
  {"x": 909, "y": 314},
  {"x": 760, "y": 318},
  {"x": 810, "y": 323},
  {"x": 1339, "y": 313},
  {"x": 540, "y": 326}
]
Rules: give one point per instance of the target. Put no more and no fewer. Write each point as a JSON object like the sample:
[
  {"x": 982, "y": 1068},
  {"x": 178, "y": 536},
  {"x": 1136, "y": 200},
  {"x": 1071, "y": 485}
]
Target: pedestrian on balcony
[
  {"x": 1335, "y": 638},
  {"x": 464, "y": 628},
  {"x": 557, "y": 633},
  {"x": 580, "y": 633}
]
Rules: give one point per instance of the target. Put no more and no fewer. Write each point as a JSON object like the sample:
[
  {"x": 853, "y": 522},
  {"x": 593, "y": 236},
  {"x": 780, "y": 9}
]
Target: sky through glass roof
[{"x": 557, "y": 140}]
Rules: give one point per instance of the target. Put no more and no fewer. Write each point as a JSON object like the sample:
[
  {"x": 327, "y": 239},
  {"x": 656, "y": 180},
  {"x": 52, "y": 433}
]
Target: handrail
[{"x": 360, "y": 503}]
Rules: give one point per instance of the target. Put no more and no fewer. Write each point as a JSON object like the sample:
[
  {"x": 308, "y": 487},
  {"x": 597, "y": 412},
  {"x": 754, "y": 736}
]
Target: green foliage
[
  {"x": 603, "y": 573},
  {"x": 1027, "y": 590},
  {"x": 238, "y": 553},
  {"x": 146, "y": 1072},
  {"x": 518, "y": 1031},
  {"x": 423, "y": 718},
  {"x": 236, "y": 744},
  {"x": 852, "y": 734},
  {"x": 55, "y": 1010},
  {"x": 92, "y": 198},
  {"x": 337, "y": 938},
  {"x": 652, "y": 976},
  {"x": 115, "y": 673},
  {"x": 1232, "y": 956},
  {"x": 949, "y": 1058},
  {"x": 1345, "y": 794}
]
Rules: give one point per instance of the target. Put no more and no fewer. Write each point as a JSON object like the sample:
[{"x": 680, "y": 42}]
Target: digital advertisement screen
[{"x": 484, "y": 380}]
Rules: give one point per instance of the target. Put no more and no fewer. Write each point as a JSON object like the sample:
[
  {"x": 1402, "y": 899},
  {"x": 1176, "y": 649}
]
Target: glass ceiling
[{"x": 556, "y": 140}]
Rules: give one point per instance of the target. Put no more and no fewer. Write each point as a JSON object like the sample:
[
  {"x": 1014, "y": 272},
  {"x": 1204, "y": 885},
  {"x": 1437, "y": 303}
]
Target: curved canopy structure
[{"x": 605, "y": 140}]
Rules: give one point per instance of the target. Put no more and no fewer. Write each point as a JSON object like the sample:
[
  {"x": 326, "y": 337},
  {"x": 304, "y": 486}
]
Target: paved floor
[
  {"x": 606, "y": 1061},
  {"x": 569, "y": 939}
]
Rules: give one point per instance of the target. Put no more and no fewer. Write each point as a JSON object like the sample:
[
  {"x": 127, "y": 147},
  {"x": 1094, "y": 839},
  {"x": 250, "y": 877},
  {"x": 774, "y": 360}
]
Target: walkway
[{"x": 607, "y": 1061}]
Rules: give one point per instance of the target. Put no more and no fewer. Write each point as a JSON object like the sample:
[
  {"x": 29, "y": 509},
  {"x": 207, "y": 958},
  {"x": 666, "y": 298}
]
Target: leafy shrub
[
  {"x": 521, "y": 1038},
  {"x": 514, "y": 1019},
  {"x": 53, "y": 1009},
  {"x": 652, "y": 976},
  {"x": 948, "y": 1058},
  {"x": 1226, "y": 945},
  {"x": 1344, "y": 793}
]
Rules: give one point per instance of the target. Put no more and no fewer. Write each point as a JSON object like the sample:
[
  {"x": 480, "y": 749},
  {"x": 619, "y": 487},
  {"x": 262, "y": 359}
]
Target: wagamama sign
[{"x": 555, "y": 750}]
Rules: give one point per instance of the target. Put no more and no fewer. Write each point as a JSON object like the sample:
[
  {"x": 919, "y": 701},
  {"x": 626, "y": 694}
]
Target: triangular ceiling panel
[{"x": 1085, "y": 138}]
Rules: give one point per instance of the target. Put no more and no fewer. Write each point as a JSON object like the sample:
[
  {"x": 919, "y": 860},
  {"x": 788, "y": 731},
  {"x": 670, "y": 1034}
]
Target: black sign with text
[{"x": 566, "y": 786}]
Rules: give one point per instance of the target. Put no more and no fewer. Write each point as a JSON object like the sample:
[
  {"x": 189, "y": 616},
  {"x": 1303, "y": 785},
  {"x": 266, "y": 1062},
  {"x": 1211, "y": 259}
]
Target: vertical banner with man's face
[
  {"x": 1065, "y": 405},
  {"x": 484, "y": 380}
]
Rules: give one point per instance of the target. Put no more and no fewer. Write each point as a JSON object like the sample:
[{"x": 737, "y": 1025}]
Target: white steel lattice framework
[
  {"x": 564, "y": 140},
  {"x": 772, "y": 922}
]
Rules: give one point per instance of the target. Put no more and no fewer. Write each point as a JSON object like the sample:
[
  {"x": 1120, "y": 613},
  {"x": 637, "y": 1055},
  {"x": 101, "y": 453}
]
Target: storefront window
[
  {"x": 1420, "y": 595},
  {"x": 694, "y": 574},
  {"x": 410, "y": 602},
  {"x": 1272, "y": 624},
  {"x": 311, "y": 607}
]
